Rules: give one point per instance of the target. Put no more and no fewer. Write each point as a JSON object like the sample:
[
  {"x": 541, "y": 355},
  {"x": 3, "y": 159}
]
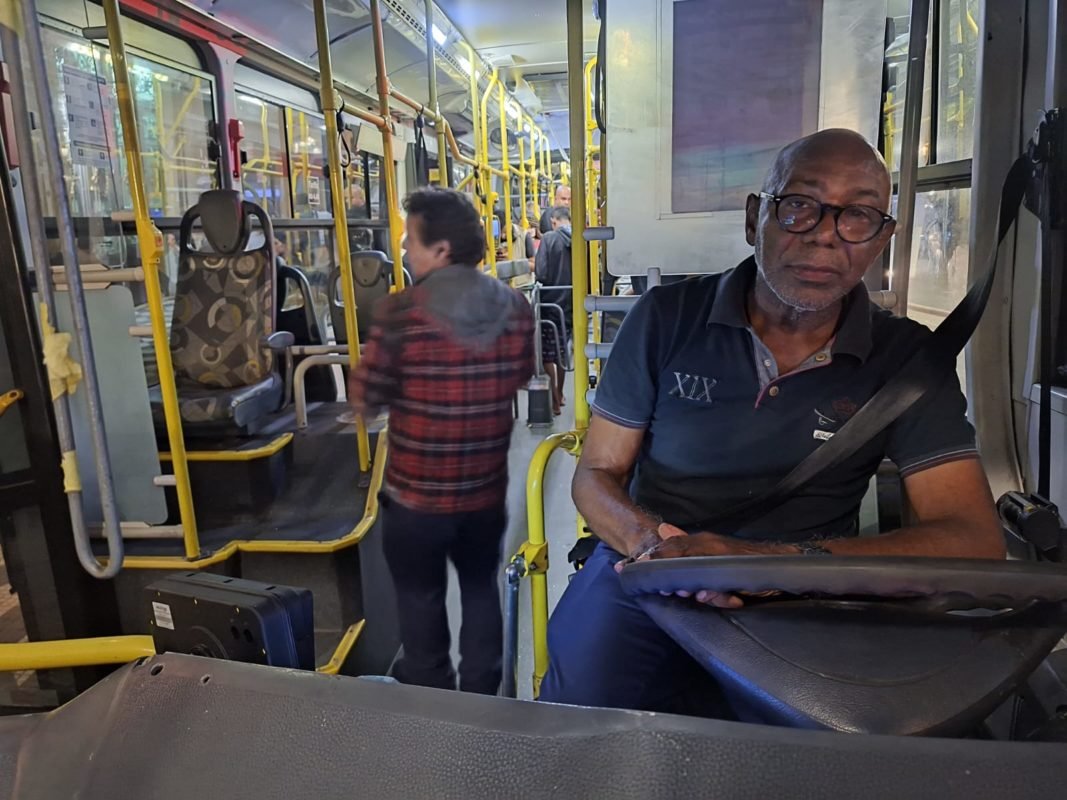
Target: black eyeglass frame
[{"x": 823, "y": 208}]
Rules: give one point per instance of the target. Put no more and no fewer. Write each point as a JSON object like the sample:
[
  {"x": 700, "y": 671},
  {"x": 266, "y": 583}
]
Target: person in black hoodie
[{"x": 552, "y": 267}]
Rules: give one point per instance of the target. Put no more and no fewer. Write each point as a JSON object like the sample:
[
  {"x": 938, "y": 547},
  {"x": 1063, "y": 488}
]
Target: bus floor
[{"x": 560, "y": 527}]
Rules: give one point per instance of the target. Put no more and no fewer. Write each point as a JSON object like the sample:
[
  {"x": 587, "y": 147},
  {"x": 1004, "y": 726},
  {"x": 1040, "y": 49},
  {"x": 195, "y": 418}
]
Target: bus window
[
  {"x": 896, "y": 59},
  {"x": 264, "y": 176},
  {"x": 375, "y": 187},
  {"x": 307, "y": 147},
  {"x": 940, "y": 254},
  {"x": 958, "y": 81},
  {"x": 87, "y": 120},
  {"x": 356, "y": 189},
  {"x": 174, "y": 108}
]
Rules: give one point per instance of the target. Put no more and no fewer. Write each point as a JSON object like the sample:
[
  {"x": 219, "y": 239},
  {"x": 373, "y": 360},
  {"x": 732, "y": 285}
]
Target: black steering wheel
[{"x": 955, "y": 583}]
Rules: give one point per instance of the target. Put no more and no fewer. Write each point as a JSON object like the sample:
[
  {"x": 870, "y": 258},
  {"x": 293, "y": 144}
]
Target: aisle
[{"x": 560, "y": 519}]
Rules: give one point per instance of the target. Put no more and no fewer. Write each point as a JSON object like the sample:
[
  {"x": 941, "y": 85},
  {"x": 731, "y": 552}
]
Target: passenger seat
[{"x": 223, "y": 339}]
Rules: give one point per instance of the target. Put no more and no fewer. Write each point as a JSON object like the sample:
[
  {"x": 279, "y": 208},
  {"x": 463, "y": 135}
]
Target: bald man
[
  {"x": 718, "y": 387},
  {"x": 562, "y": 197}
]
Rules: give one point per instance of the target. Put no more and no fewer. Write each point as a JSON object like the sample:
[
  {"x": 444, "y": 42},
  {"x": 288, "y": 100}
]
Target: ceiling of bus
[{"x": 527, "y": 41}]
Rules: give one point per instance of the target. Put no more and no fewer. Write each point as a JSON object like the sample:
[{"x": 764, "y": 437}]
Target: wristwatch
[{"x": 811, "y": 549}]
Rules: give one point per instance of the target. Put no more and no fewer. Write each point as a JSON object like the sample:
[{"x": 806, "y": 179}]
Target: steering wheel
[{"x": 954, "y": 583}]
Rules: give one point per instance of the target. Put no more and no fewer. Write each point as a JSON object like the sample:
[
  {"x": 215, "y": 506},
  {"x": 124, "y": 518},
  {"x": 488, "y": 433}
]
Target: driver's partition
[{"x": 907, "y": 646}]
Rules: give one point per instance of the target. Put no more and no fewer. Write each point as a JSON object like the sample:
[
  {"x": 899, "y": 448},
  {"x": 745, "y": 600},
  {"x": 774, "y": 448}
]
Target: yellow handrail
[
  {"x": 524, "y": 219},
  {"x": 74, "y": 653},
  {"x": 340, "y": 215},
  {"x": 534, "y": 552},
  {"x": 579, "y": 257},
  {"x": 150, "y": 242},
  {"x": 505, "y": 164},
  {"x": 490, "y": 242},
  {"x": 392, "y": 201}
]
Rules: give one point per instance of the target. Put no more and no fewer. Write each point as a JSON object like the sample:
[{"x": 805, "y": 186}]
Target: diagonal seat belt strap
[{"x": 918, "y": 374}]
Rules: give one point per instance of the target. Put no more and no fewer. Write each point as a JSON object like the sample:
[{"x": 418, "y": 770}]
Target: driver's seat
[{"x": 902, "y": 667}]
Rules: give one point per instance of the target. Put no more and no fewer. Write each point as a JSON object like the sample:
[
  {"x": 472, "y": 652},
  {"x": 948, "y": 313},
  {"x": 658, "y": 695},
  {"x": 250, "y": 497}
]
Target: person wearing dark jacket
[
  {"x": 552, "y": 267},
  {"x": 562, "y": 197}
]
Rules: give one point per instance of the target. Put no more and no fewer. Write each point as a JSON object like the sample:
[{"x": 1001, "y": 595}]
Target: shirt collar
[{"x": 729, "y": 308}]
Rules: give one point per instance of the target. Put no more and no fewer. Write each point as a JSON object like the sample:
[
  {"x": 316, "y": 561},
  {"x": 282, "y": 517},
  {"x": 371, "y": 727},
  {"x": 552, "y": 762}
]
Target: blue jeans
[{"x": 605, "y": 651}]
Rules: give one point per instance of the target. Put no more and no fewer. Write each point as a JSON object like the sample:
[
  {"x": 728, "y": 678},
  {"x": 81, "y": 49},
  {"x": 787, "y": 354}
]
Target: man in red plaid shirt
[{"x": 446, "y": 356}]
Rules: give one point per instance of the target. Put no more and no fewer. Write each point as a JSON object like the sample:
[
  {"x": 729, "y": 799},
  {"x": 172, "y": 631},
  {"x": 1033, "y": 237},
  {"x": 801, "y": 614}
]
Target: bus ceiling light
[
  {"x": 464, "y": 63},
  {"x": 439, "y": 36}
]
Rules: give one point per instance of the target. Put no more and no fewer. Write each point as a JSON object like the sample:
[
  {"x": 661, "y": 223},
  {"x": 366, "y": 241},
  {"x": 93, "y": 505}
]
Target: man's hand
[{"x": 676, "y": 544}]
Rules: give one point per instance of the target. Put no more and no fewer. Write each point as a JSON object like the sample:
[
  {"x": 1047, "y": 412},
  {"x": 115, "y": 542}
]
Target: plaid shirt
[{"x": 450, "y": 404}]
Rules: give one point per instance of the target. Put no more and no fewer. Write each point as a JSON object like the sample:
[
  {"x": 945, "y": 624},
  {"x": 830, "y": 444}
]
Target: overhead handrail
[{"x": 79, "y": 315}]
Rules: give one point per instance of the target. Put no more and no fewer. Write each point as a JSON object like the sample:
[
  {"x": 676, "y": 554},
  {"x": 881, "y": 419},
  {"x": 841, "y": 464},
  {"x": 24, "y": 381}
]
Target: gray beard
[{"x": 803, "y": 306}]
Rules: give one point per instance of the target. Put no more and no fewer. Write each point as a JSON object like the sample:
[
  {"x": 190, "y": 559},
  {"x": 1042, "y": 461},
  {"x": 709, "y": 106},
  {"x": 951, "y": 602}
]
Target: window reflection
[
  {"x": 264, "y": 177},
  {"x": 958, "y": 81},
  {"x": 175, "y": 110},
  {"x": 940, "y": 255},
  {"x": 896, "y": 58},
  {"x": 307, "y": 149}
]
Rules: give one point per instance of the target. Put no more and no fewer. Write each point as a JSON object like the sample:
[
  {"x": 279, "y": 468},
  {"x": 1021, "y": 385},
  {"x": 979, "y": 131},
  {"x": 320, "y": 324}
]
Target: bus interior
[{"x": 142, "y": 509}]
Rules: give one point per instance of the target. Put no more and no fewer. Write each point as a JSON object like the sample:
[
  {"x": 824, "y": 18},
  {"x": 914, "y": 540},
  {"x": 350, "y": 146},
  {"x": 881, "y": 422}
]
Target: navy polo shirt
[{"x": 721, "y": 425}]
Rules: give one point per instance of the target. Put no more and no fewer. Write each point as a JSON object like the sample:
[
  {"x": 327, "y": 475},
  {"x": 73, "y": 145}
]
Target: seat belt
[{"x": 919, "y": 373}]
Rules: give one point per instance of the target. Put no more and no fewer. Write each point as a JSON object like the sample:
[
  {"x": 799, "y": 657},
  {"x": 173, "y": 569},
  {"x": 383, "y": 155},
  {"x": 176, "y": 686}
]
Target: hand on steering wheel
[{"x": 676, "y": 543}]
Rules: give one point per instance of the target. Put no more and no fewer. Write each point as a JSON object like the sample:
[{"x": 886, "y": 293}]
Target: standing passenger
[
  {"x": 446, "y": 356},
  {"x": 553, "y": 268},
  {"x": 562, "y": 197}
]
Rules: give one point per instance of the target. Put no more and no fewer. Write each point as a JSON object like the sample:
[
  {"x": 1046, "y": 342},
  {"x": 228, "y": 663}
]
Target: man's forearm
[
  {"x": 611, "y": 514},
  {"x": 945, "y": 539}
]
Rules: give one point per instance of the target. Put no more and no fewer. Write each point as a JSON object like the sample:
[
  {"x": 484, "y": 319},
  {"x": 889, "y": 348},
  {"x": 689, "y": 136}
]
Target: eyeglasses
[{"x": 855, "y": 224}]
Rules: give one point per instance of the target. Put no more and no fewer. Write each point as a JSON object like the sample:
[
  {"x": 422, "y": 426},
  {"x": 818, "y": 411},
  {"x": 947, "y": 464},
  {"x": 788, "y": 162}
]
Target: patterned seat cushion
[
  {"x": 223, "y": 313},
  {"x": 238, "y": 407}
]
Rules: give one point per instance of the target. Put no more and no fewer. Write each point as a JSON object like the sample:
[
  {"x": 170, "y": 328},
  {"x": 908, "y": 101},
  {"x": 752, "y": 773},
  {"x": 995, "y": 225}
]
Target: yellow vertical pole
[
  {"x": 340, "y": 217},
  {"x": 487, "y": 175},
  {"x": 524, "y": 219},
  {"x": 505, "y": 165},
  {"x": 591, "y": 185},
  {"x": 150, "y": 242},
  {"x": 443, "y": 178},
  {"x": 579, "y": 258},
  {"x": 396, "y": 228},
  {"x": 476, "y": 131},
  {"x": 160, "y": 177},
  {"x": 533, "y": 172}
]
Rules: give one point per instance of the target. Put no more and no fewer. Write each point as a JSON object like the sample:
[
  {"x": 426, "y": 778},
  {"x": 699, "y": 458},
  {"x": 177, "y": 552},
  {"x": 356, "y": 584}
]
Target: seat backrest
[
  {"x": 224, "y": 306},
  {"x": 300, "y": 320},
  {"x": 371, "y": 273}
]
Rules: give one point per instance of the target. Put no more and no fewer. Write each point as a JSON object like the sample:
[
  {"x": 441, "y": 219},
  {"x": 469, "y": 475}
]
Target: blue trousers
[{"x": 605, "y": 651}]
